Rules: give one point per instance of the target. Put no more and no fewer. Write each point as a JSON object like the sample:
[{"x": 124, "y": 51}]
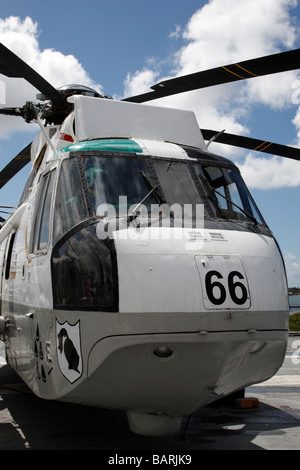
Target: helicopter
[{"x": 135, "y": 267}]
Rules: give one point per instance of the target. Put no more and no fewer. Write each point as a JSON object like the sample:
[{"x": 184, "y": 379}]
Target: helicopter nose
[{"x": 159, "y": 271}]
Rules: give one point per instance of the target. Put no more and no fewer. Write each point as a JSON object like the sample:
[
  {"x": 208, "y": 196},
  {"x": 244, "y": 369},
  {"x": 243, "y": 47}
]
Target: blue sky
[{"x": 122, "y": 47}]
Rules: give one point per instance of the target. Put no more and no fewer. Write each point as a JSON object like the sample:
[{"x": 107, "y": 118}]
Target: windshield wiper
[
  {"x": 149, "y": 183},
  {"x": 134, "y": 214},
  {"x": 154, "y": 190}
]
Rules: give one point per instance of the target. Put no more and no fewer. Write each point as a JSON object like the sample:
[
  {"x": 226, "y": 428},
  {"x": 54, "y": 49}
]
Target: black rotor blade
[
  {"x": 252, "y": 144},
  {"x": 267, "y": 65},
  {"x": 12, "y": 66},
  {"x": 11, "y": 111},
  {"x": 15, "y": 165}
]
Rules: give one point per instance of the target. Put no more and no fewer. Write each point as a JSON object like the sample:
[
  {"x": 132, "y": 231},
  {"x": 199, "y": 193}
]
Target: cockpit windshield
[{"x": 96, "y": 185}]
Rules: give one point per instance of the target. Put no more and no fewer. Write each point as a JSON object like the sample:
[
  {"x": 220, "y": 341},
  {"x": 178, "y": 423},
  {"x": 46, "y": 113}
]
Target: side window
[
  {"x": 9, "y": 255},
  {"x": 28, "y": 185},
  {"x": 41, "y": 227},
  {"x": 70, "y": 204},
  {"x": 2, "y": 253},
  {"x": 229, "y": 194}
]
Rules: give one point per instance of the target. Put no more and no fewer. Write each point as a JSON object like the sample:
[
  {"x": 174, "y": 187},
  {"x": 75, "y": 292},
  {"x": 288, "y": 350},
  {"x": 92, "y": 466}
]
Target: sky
[{"x": 123, "y": 47}]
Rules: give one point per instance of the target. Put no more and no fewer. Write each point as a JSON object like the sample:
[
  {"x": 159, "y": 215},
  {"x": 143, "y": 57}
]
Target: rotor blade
[
  {"x": 12, "y": 66},
  {"x": 15, "y": 165},
  {"x": 252, "y": 144},
  {"x": 11, "y": 111},
  {"x": 275, "y": 63}
]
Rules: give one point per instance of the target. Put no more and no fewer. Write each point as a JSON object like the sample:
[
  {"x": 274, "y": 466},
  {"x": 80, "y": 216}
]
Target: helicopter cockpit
[{"x": 119, "y": 190}]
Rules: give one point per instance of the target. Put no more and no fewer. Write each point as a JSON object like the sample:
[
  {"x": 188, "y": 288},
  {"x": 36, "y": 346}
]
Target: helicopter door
[
  {"x": 9, "y": 256},
  {"x": 42, "y": 219},
  {"x": 7, "y": 274},
  {"x": 2, "y": 268}
]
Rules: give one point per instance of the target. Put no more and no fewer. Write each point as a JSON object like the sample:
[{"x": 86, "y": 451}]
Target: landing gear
[
  {"x": 153, "y": 424},
  {"x": 229, "y": 399}
]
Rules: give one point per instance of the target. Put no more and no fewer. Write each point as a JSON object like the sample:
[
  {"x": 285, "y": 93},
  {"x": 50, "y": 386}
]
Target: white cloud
[
  {"x": 270, "y": 173},
  {"x": 176, "y": 33},
  {"x": 224, "y": 31},
  {"x": 296, "y": 122},
  {"x": 228, "y": 31},
  {"x": 293, "y": 268},
  {"x": 139, "y": 82},
  {"x": 289, "y": 256},
  {"x": 55, "y": 67}
]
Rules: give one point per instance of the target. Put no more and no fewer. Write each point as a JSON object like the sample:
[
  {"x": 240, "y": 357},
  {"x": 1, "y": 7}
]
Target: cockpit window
[
  {"x": 71, "y": 205},
  {"x": 177, "y": 183},
  {"x": 116, "y": 182},
  {"x": 42, "y": 217},
  {"x": 228, "y": 194}
]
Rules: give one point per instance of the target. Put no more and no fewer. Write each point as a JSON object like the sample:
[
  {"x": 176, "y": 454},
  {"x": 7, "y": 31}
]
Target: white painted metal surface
[{"x": 121, "y": 119}]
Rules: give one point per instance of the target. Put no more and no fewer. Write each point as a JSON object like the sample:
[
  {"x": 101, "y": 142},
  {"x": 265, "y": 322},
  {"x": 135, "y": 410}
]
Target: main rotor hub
[{"x": 75, "y": 89}]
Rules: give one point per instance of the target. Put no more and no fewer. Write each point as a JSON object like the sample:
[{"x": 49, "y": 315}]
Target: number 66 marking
[{"x": 237, "y": 290}]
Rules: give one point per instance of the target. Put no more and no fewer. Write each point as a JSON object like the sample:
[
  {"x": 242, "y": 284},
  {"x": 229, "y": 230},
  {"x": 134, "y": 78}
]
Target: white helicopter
[{"x": 135, "y": 269}]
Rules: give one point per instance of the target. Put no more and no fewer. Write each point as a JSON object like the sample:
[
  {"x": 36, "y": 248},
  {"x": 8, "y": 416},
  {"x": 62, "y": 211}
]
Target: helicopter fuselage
[{"x": 137, "y": 272}]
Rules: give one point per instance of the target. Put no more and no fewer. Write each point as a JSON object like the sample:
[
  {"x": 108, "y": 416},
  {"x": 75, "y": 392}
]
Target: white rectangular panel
[
  {"x": 102, "y": 118},
  {"x": 224, "y": 282}
]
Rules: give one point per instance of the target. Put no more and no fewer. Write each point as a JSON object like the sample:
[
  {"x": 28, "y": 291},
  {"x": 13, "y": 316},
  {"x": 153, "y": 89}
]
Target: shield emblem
[{"x": 69, "y": 350}]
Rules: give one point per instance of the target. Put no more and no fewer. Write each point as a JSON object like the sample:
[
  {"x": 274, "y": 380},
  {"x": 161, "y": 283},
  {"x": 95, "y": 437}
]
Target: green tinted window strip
[{"x": 105, "y": 145}]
